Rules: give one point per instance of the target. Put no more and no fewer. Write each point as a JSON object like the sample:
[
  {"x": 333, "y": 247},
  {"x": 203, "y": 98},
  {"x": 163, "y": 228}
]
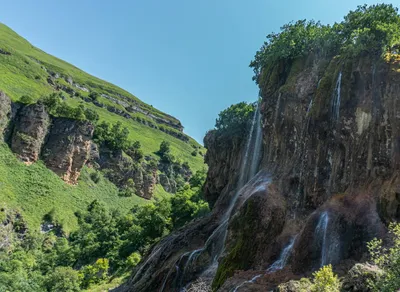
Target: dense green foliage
[
  {"x": 235, "y": 119},
  {"x": 388, "y": 259},
  {"x": 105, "y": 243},
  {"x": 372, "y": 29}
]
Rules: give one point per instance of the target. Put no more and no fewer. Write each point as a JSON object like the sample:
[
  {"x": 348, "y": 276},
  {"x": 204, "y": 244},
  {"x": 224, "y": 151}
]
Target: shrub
[
  {"x": 194, "y": 153},
  {"x": 26, "y": 99},
  {"x": 325, "y": 281},
  {"x": 133, "y": 260},
  {"x": 388, "y": 259}
]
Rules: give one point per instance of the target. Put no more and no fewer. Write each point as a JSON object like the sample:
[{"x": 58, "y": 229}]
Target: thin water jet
[
  {"x": 335, "y": 110},
  {"x": 281, "y": 262},
  {"x": 247, "y": 282}
]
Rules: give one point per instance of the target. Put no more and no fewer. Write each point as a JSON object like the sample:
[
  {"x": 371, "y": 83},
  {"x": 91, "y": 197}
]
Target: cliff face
[
  {"x": 68, "y": 147},
  {"x": 31, "y": 125},
  {"x": 331, "y": 131},
  {"x": 331, "y": 139}
]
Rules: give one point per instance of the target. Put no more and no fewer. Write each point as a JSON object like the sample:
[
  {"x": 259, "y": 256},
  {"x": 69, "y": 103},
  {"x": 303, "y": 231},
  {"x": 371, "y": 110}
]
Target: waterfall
[
  {"x": 247, "y": 282},
  {"x": 248, "y": 169},
  {"x": 322, "y": 233},
  {"x": 280, "y": 263},
  {"x": 336, "y": 98}
]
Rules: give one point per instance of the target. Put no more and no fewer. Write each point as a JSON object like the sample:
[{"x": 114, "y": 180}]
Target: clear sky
[{"x": 185, "y": 57}]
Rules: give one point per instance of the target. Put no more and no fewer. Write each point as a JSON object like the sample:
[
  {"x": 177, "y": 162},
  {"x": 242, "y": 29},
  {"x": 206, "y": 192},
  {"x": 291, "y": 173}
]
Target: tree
[
  {"x": 235, "y": 119},
  {"x": 63, "y": 279},
  {"x": 165, "y": 152},
  {"x": 27, "y": 99}
]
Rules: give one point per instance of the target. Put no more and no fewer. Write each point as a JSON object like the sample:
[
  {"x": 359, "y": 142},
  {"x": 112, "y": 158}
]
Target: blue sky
[{"x": 185, "y": 57}]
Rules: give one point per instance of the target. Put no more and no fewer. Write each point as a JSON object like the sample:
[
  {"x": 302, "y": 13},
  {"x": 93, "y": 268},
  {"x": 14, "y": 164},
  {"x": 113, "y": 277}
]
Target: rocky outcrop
[
  {"x": 120, "y": 168},
  {"x": 30, "y": 129},
  {"x": 358, "y": 276},
  {"x": 5, "y": 111},
  {"x": 68, "y": 147}
]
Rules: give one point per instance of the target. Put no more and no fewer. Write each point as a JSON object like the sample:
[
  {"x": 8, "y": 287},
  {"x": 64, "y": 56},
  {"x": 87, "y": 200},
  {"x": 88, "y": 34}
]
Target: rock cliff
[
  {"x": 63, "y": 144},
  {"x": 68, "y": 147},
  {"x": 331, "y": 144}
]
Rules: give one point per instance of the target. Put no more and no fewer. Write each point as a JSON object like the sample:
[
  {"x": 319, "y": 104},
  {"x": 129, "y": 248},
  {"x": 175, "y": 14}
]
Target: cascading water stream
[
  {"x": 322, "y": 233},
  {"x": 248, "y": 169},
  {"x": 247, "y": 282},
  {"x": 280, "y": 263},
  {"x": 336, "y": 98}
]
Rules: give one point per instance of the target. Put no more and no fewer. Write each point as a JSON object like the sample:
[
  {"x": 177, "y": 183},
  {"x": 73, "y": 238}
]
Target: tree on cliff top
[{"x": 235, "y": 119}]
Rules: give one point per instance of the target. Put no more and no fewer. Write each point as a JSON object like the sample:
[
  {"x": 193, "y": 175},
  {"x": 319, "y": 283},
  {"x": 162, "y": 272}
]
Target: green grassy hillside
[
  {"x": 25, "y": 70},
  {"x": 35, "y": 190}
]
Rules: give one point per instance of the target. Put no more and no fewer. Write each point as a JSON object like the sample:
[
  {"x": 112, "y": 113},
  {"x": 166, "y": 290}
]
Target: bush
[
  {"x": 133, "y": 260},
  {"x": 95, "y": 177},
  {"x": 194, "y": 153},
  {"x": 388, "y": 259},
  {"x": 93, "y": 96},
  {"x": 26, "y": 99}
]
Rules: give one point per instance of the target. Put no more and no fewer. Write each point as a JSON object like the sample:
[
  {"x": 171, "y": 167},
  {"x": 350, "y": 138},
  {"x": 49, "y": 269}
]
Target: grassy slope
[
  {"x": 23, "y": 73},
  {"x": 34, "y": 189}
]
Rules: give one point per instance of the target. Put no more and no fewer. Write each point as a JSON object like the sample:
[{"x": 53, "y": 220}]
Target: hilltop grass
[
  {"x": 25, "y": 69},
  {"x": 34, "y": 191}
]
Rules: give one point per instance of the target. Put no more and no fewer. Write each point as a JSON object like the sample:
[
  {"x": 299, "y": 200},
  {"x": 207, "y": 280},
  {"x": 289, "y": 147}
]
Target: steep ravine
[{"x": 331, "y": 144}]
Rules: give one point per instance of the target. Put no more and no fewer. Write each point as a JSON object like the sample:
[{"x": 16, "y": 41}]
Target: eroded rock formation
[
  {"x": 68, "y": 147},
  {"x": 30, "y": 129}
]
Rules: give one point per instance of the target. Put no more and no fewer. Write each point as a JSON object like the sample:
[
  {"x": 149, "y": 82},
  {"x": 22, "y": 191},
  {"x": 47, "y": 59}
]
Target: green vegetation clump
[
  {"x": 371, "y": 29},
  {"x": 388, "y": 259},
  {"x": 235, "y": 120}
]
